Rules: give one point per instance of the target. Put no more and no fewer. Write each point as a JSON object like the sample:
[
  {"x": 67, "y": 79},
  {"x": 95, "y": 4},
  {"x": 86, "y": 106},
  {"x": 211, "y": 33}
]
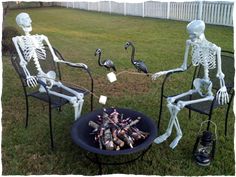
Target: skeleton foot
[
  {"x": 162, "y": 138},
  {"x": 175, "y": 142}
]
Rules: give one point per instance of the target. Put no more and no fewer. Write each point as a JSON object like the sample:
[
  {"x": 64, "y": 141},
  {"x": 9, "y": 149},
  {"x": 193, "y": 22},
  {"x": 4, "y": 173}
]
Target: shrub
[{"x": 7, "y": 44}]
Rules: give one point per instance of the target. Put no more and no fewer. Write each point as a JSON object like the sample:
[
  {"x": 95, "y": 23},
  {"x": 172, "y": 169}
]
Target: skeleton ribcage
[
  {"x": 204, "y": 55},
  {"x": 33, "y": 47}
]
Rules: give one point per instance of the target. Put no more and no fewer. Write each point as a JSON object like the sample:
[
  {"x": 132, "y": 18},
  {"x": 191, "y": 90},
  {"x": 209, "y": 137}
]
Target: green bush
[{"x": 7, "y": 44}]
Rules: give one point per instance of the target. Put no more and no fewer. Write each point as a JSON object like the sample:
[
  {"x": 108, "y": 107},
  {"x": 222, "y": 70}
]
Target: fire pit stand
[
  {"x": 81, "y": 136},
  {"x": 97, "y": 160}
]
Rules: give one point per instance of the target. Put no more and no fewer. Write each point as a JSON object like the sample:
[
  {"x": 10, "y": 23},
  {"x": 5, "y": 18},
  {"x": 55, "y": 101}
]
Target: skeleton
[
  {"x": 32, "y": 47},
  {"x": 203, "y": 53}
]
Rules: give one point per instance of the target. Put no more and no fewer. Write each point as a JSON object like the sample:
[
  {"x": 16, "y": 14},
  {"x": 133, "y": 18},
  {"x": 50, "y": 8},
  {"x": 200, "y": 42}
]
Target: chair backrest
[
  {"x": 47, "y": 65},
  {"x": 227, "y": 59}
]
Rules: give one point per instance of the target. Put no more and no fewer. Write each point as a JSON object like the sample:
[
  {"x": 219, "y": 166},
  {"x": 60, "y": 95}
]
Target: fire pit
[{"x": 81, "y": 132}]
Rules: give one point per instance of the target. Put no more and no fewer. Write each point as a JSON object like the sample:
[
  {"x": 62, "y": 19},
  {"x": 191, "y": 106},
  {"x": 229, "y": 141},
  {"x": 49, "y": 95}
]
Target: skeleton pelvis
[
  {"x": 48, "y": 79},
  {"x": 203, "y": 86}
]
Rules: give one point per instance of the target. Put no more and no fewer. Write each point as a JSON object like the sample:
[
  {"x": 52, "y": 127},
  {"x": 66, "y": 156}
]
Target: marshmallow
[
  {"x": 111, "y": 77},
  {"x": 102, "y": 99}
]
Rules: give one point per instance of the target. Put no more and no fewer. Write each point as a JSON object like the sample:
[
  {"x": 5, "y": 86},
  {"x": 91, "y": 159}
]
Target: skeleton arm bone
[
  {"x": 30, "y": 80},
  {"x": 222, "y": 95},
  {"x": 183, "y": 67},
  {"x": 56, "y": 59}
]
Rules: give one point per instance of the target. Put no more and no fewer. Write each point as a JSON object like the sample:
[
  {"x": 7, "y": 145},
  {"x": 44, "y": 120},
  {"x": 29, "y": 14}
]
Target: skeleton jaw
[{"x": 27, "y": 29}]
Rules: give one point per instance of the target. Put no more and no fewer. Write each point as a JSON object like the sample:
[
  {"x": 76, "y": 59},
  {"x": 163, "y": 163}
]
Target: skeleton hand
[
  {"x": 158, "y": 74},
  {"x": 222, "y": 95},
  {"x": 31, "y": 81}
]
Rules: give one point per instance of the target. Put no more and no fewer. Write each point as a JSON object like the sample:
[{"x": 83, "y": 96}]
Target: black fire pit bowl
[{"x": 81, "y": 136}]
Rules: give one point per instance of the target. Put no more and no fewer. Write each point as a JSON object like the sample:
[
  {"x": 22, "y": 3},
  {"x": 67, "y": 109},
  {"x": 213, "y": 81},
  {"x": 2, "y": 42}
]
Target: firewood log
[
  {"x": 93, "y": 125},
  {"x": 132, "y": 123},
  {"x": 116, "y": 140},
  {"x": 114, "y": 131},
  {"x": 107, "y": 139}
]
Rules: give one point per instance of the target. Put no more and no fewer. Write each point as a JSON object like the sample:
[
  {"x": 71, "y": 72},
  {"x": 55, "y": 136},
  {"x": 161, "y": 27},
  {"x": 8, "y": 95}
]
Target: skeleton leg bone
[
  {"x": 78, "y": 95},
  {"x": 173, "y": 110},
  {"x": 182, "y": 104},
  {"x": 78, "y": 108},
  {"x": 172, "y": 99},
  {"x": 174, "y": 143},
  {"x": 77, "y": 103}
]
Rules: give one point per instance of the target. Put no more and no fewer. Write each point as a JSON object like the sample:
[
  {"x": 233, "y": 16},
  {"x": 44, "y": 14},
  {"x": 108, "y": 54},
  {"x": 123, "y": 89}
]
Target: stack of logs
[{"x": 113, "y": 131}]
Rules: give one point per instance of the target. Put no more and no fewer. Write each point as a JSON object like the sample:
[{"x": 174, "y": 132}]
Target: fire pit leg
[
  {"x": 144, "y": 152},
  {"x": 99, "y": 164}
]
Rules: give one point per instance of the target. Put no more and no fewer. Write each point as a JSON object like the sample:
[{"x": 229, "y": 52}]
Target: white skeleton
[
  {"x": 32, "y": 48},
  {"x": 203, "y": 53}
]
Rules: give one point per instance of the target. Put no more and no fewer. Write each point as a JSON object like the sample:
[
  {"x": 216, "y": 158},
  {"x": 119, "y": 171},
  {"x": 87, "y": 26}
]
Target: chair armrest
[
  {"x": 167, "y": 76},
  {"x": 75, "y": 65},
  {"x": 85, "y": 68}
]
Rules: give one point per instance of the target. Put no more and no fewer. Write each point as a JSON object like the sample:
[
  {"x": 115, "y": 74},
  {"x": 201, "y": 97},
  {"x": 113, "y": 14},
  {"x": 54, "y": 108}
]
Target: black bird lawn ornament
[
  {"x": 106, "y": 63},
  {"x": 139, "y": 65}
]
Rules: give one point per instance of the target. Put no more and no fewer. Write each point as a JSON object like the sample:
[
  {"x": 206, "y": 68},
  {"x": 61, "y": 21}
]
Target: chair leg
[
  {"x": 226, "y": 119},
  {"x": 160, "y": 114},
  {"x": 208, "y": 124},
  {"x": 27, "y": 111},
  {"x": 50, "y": 127},
  {"x": 91, "y": 103},
  {"x": 59, "y": 109},
  {"x": 189, "y": 114}
]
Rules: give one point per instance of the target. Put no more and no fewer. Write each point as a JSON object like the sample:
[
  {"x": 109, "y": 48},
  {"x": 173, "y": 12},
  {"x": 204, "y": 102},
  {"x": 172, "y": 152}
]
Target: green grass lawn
[{"x": 76, "y": 34}]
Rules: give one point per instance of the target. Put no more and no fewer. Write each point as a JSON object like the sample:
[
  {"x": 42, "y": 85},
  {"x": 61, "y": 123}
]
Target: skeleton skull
[
  {"x": 23, "y": 20},
  {"x": 196, "y": 29}
]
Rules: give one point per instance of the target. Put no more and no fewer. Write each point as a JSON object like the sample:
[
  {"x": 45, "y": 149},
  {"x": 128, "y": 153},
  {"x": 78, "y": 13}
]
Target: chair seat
[
  {"x": 55, "y": 100},
  {"x": 203, "y": 107}
]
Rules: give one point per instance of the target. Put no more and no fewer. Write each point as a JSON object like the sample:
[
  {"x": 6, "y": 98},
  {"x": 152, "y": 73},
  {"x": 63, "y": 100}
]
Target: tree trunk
[
  {"x": 6, "y": 6},
  {"x": 41, "y": 4}
]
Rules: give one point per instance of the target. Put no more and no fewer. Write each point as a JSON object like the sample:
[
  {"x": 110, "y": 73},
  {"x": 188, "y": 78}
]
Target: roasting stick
[{"x": 79, "y": 87}]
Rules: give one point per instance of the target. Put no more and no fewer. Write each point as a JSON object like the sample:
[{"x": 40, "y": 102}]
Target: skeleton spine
[{"x": 37, "y": 64}]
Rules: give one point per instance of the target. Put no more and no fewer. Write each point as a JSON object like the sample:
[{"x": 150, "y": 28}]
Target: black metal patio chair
[
  {"x": 206, "y": 108},
  {"x": 53, "y": 101}
]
